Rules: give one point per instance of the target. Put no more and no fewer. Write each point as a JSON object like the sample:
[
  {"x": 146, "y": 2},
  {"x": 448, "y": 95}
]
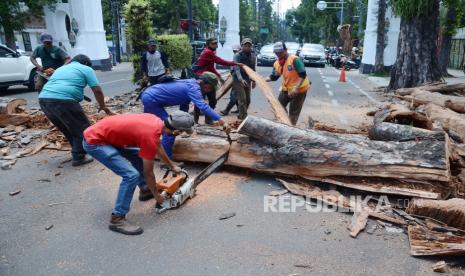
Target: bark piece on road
[
  {"x": 358, "y": 223},
  {"x": 426, "y": 242}
]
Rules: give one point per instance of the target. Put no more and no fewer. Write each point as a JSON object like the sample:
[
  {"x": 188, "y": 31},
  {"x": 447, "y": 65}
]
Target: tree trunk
[
  {"x": 446, "y": 41},
  {"x": 417, "y": 60},
  {"x": 10, "y": 40},
  {"x": 413, "y": 168},
  {"x": 379, "y": 59}
]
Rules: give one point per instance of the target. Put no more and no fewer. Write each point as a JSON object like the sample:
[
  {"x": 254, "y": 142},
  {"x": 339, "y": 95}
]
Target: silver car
[
  {"x": 313, "y": 54},
  {"x": 266, "y": 55}
]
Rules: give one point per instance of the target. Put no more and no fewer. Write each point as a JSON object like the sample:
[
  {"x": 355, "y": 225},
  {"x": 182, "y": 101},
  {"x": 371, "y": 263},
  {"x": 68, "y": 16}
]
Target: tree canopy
[{"x": 14, "y": 13}]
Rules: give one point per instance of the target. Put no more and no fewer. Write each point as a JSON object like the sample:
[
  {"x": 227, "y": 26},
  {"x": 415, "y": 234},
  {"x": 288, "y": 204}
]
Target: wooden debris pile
[{"x": 25, "y": 132}]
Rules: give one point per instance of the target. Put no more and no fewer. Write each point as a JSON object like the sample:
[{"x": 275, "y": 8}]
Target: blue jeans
[
  {"x": 126, "y": 163},
  {"x": 158, "y": 110}
]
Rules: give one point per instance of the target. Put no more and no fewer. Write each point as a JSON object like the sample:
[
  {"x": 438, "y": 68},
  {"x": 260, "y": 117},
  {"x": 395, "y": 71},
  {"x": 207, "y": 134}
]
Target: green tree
[
  {"x": 417, "y": 59},
  {"x": 452, "y": 15},
  {"x": 13, "y": 15},
  {"x": 139, "y": 30}
]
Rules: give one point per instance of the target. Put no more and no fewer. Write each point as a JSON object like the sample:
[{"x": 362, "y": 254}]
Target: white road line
[
  {"x": 327, "y": 85},
  {"x": 108, "y": 82},
  {"x": 330, "y": 93}
]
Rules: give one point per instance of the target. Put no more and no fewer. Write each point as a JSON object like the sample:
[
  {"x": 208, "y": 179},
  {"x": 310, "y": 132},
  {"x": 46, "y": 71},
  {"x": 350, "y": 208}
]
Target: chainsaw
[
  {"x": 178, "y": 188},
  {"x": 46, "y": 74}
]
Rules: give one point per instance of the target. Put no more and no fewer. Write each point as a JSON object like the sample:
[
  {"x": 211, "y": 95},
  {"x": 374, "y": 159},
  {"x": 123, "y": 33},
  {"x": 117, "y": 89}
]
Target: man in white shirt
[{"x": 154, "y": 63}]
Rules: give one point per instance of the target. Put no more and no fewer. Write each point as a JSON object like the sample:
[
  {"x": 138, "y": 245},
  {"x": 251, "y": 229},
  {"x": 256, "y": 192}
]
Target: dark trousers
[
  {"x": 232, "y": 101},
  {"x": 154, "y": 79},
  {"x": 295, "y": 104},
  {"x": 243, "y": 98},
  {"x": 211, "y": 102},
  {"x": 69, "y": 118}
]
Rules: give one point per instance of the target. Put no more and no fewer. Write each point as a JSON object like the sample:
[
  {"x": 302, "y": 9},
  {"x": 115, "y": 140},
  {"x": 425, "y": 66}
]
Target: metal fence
[{"x": 457, "y": 54}]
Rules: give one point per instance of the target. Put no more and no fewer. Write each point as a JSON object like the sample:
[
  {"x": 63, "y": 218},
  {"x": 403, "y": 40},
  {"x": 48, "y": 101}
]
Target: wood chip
[
  {"x": 359, "y": 222},
  {"x": 14, "y": 193},
  {"x": 227, "y": 216},
  {"x": 440, "y": 267},
  {"x": 278, "y": 192}
]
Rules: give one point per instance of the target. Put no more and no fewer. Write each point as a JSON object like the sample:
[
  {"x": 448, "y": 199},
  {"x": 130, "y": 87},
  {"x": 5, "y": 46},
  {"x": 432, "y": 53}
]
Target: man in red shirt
[
  {"x": 206, "y": 63},
  {"x": 127, "y": 144}
]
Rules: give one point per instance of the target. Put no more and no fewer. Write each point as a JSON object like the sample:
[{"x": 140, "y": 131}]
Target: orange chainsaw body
[{"x": 171, "y": 183}]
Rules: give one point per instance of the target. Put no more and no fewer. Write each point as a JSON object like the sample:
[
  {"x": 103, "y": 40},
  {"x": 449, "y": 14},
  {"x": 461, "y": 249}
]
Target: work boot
[
  {"x": 208, "y": 121},
  {"x": 235, "y": 111},
  {"x": 145, "y": 194},
  {"x": 82, "y": 161},
  {"x": 121, "y": 225},
  {"x": 224, "y": 112}
]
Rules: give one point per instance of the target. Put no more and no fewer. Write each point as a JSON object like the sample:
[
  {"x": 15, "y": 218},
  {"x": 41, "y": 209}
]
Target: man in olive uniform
[{"x": 51, "y": 56}]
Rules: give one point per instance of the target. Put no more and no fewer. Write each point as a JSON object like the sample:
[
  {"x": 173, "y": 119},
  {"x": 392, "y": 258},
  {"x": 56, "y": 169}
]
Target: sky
[{"x": 284, "y": 4}]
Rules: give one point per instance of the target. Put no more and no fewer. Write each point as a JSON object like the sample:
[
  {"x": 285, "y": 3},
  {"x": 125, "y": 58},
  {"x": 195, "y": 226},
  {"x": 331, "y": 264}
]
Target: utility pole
[
  {"x": 115, "y": 30},
  {"x": 189, "y": 13}
]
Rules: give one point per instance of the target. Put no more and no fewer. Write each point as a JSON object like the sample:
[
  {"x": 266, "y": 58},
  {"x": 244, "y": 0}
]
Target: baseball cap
[
  {"x": 181, "y": 120},
  {"x": 210, "y": 78},
  {"x": 46, "y": 37},
  {"x": 152, "y": 42},
  {"x": 236, "y": 47},
  {"x": 246, "y": 40},
  {"x": 279, "y": 47}
]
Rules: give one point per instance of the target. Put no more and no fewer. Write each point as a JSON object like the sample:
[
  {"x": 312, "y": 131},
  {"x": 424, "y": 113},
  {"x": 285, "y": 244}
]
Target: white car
[{"x": 15, "y": 69}]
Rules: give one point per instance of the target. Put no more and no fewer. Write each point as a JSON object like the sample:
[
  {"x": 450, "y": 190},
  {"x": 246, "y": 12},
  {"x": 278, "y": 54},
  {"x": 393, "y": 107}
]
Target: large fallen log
[
  {"x": 9, "y": 113},
  {"x": 9, "y": 106},
  {"x": 435, "y": 87},
  {"x": 451, "y": 212},
  {"x": 422, "y": 97},
  {"x": 414, "y": 168}
]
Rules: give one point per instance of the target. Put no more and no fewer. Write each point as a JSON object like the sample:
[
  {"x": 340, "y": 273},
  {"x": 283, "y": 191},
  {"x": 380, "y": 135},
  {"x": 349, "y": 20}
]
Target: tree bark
[
  {"x": 417, "y": 59},
  {"x": 446, "y": 40},
  {"x": 450, "y": 212},
  {"x": 10, "y": 40},
  {"x": 379, "y": 58},
  {"x": 426, "y": 242},
  {"x": 448, "y": 119},
  {"x": 318, "y": 155}
]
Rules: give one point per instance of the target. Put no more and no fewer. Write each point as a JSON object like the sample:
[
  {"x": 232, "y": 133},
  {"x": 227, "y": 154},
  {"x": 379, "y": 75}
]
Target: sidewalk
[{"x": 458, "y": 77}]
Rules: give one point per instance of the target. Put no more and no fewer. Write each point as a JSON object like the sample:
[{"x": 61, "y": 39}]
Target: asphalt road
[{"x": 192, "y": 240}]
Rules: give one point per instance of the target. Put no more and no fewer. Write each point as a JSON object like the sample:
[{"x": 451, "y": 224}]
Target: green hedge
[{"x": 178, "y": 49}]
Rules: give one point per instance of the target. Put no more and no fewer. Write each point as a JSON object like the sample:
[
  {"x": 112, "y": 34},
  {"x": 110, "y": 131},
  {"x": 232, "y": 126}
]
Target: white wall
[
  {"x": 90, "y": 39},
  {"x": 230, "y": 10}
]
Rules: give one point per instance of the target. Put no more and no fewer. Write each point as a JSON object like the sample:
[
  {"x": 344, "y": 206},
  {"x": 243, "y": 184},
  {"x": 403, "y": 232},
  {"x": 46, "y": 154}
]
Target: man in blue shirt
[
  {"x": 60, "y": 97},
  {"x": 180, "y": 92}
]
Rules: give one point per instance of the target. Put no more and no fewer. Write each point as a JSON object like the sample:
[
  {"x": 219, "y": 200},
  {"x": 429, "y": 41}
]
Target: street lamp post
[
  {"x": 223, "y": 28},
  {"x": 323, "y": 5}
]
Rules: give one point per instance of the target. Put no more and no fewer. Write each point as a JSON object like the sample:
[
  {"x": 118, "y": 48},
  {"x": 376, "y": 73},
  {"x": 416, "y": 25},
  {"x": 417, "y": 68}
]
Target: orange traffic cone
[{"x": 342, "y": 76}]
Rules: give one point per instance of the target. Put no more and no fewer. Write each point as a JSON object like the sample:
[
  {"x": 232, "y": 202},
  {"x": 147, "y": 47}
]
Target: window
[{"x": 5, "y": 53}]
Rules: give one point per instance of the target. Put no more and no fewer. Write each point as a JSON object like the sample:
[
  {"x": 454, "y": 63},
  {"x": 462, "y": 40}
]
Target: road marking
[
  {"x": 335, "y": 102},
  {"x": 108, "y": 82},
  {"x": 327, "y": 85},
  {"x": 330, "y": 93}
]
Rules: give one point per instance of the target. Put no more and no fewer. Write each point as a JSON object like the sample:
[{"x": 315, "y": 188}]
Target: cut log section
[
  {"x": 9, "y": 106},
  {"x": 434, "y": 87},
  {"x": 278, "y": 109},
  {"x": 400, "y": 114},
  {"x": 14, "y": 119},
  {"x": 448, "y": 119},
  {"x": 394, "y": 132},
  {"x": 426, "y": 242},
  {"x": 450, "y": 212}
]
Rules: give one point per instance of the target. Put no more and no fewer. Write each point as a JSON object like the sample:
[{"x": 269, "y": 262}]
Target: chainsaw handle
[{"x": 174, "y": 173}]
